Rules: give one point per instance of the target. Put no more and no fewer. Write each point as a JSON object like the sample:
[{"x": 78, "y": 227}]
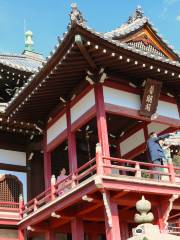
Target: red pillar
[
  {"x": 101, "y": 119},
  {"x": 21, "y": 234},
  {"x": 71, "y": 142},
  {"x": 49, "y": 235},
  {"x": 113, "y": 231},
  {"x": 47, "y": 164},
  {"x": 77, "y": 229}
]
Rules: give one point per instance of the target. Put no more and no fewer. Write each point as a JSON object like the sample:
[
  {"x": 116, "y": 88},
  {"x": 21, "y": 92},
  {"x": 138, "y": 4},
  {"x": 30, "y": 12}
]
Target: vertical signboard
[{"x": 150, "y": 98}]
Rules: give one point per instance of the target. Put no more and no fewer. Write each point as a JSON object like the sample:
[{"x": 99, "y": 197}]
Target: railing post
[
  {"x": 73, "y": 184},
  {"x": 21, "y": 206},
  {"x": 99, "y": 159},
  {"x": 171, "y": 171},
  {"x": 35, "y": 206},
  {"x": 53, "y": 189},
  {"x": 138, "y": 170}
]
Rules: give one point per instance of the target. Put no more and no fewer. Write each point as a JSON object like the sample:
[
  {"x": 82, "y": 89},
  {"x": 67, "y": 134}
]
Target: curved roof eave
[{"x": 60, "y": 51}]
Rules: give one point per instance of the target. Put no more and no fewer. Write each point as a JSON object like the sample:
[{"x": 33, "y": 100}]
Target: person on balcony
[
  {"x": 61, "y": 180},
  {"x": 156, "y": 153}
]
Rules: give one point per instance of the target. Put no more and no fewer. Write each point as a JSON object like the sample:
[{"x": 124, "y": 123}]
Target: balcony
[
  {"x": 121, "y": 176},
  {"x": 107, "y": 172}
]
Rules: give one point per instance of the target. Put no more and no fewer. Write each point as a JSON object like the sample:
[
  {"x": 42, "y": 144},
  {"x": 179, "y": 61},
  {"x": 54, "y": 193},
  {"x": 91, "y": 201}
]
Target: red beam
[
  {"x": 124, "y": 111},
  {"x": 149, "y": 187}
]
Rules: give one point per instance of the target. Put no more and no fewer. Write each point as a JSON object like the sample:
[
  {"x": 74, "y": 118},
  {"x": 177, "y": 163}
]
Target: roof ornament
[
  {"x": 136, "y": 15},
  {"x": 28, "y": 41},
  {"x": 76, "y": 16}
]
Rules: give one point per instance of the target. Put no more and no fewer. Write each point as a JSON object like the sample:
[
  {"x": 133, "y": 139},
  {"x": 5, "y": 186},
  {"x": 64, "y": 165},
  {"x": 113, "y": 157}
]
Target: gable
[{"x": 147, "y": 40}]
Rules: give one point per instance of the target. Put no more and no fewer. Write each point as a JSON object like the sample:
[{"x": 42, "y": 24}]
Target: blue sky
[{"x": 49, "y": 18}]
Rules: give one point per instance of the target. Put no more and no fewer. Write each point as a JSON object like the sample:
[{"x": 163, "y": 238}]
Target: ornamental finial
[
  {"x": 28, "y": 41},
  {"x": 136, "y": 15},
  {"x": 143, "y": 206},
  {"x": 75, "y": 15}
]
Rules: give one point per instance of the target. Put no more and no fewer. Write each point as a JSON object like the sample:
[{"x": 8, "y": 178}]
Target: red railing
[
  {"x": 141, "y": 169},
  {"x": 60, "y": 188},
  {"x": 101, "y": 166}
]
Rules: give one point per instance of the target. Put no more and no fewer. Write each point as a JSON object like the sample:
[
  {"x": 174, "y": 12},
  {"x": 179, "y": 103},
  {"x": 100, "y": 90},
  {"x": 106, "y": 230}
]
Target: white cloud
[{"x": 178, "y": 18}]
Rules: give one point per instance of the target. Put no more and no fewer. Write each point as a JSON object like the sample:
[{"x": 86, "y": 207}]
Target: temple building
[{"x": 76, "y": 124}]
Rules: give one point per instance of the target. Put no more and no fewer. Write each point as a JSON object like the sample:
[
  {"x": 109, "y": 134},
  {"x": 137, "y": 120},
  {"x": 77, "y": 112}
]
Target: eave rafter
[{"x": 83, "y": 50}]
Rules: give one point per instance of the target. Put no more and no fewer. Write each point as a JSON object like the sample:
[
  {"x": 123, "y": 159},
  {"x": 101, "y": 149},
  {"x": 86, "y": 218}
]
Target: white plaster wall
[
  {"x": 58, "y": 127},
  {"x": 168, "y": 109},
  {"x": 156, "y": 127},
  {"x": 12, "y": 157},
  {"x": 132, "y": 142},
  {"x": 82, "y": 106},
  {"x": 121, "y": 98}
]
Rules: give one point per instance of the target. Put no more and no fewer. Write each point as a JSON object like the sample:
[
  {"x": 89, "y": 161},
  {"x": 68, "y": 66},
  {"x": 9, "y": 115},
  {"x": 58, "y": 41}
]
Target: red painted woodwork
[
  {"x": 133, "y": 130},
  {"x": 123, "y": 111},
  {"x": 84, "y": 119},
  {"x": 124, "y": 230},
  {"x": 112, "y": 232},
  {"x": 56, "y": 116},
  {"x": 21, "y": 234},
  {"x": 101, "y": 119},
  {"x": 72, "y": 155},
  {"x": 57, "y": 141},
  {"x": 49, "y": 235},
  {"x": 47, "y": 164},
  {"x": 77, "y": 229}
]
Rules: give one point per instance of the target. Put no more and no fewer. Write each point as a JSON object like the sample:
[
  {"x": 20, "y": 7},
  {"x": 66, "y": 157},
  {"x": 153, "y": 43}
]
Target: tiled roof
[
  {"x": 133, "y": 24},
  {"x": 14, "y": 71},
  {"x": 24, "y": 62},
  {"x": 127, "y": 28},
  {"x": 124, "y": 29}
]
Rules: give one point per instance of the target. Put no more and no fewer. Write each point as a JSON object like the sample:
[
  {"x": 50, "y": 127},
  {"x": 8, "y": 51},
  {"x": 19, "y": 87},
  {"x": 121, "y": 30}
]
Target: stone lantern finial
[{"x": 143, "y": 206}]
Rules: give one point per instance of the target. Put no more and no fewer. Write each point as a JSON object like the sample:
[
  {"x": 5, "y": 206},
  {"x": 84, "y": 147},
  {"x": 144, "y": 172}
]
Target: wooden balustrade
[{"x": 98, "y": 165}]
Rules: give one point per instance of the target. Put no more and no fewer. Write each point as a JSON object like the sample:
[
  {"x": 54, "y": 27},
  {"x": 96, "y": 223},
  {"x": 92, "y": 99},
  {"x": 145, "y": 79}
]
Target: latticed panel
[{"x": 10, "y": 189}]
